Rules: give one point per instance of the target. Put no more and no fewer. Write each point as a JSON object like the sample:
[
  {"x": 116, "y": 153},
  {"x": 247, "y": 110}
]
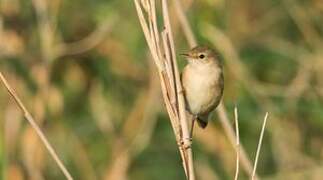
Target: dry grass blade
[
  {"x": 36, "y": 128},
  {"x": 259, "y": 147},
  {"x": 165, "y": 60},
  {"x": 245, "y": 162},
  {"x": 238, "y": 142}
]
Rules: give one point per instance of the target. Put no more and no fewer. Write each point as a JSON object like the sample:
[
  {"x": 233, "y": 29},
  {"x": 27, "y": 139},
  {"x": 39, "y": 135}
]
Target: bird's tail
[{"x": 202, "y": 121}]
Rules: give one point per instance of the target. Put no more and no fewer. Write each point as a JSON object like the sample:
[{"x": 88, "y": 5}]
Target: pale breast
[{"x": 202, "y": 85}]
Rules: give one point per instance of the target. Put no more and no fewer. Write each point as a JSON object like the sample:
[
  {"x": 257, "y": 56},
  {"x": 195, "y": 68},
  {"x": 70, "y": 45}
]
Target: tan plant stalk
[
  {"x": 36, "y": 128},
  {"x": 259, "y": 147},
  {"x": 229, "y": 131},
  {"x": 238, "y": 142},
  {"x": 162, "y": 48}
]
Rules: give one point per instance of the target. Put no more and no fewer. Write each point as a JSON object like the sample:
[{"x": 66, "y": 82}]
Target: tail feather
[{"x": 202, "y": 121}]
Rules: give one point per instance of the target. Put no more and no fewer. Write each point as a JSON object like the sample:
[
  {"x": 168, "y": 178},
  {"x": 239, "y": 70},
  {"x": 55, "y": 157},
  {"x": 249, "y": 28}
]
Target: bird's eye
[{"x": 201, "y": 56}]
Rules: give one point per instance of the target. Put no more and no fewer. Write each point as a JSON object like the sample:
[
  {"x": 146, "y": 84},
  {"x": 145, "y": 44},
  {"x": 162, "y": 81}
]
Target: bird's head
[{"x": 201, "y": 54}]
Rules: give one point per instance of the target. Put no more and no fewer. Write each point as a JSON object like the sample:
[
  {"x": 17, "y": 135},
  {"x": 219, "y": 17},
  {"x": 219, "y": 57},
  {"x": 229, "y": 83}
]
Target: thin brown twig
[{"x": 36, "y": 127}]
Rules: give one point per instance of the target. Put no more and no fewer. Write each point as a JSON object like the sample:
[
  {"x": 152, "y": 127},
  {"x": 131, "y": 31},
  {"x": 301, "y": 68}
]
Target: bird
[{"x": 203, "y": 83}]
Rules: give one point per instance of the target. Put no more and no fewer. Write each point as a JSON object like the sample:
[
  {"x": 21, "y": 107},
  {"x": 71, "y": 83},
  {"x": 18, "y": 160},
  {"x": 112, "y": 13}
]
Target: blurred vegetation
[{"x": 82, "y": 68}]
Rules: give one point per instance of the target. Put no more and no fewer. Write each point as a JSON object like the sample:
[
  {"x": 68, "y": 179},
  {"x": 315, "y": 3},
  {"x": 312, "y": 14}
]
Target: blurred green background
[{"x": 83, "y": 69}]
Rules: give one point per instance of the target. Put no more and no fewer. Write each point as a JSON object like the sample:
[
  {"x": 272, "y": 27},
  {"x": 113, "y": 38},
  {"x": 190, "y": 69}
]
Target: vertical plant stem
[
  {"x": 162, "y": 48},
  {"x": 180, "y": 96}
]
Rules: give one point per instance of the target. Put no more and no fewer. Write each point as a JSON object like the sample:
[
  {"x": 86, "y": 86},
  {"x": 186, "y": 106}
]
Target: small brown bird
[{"x": 203, "y": 83}]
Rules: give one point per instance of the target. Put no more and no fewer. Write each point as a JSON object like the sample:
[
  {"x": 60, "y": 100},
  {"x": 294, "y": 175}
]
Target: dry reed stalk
[
  {"x": 237, "y": 141},
  {"x": 163, "y": 53},
  {"x": 34, "y": 125},
  {"x": 259, "y": 147},
  {"x": 224, "y": 119}
]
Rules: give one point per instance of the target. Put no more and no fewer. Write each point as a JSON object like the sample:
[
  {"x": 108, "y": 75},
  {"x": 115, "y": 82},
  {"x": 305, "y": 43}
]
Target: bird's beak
[{"x": 185, "y": 55}]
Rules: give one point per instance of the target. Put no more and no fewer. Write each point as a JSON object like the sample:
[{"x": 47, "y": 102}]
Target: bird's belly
[{"x": 201, "y": 93}]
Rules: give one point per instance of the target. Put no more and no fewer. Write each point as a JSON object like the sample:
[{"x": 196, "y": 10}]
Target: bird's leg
[{"x": 192, "y": 127}]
